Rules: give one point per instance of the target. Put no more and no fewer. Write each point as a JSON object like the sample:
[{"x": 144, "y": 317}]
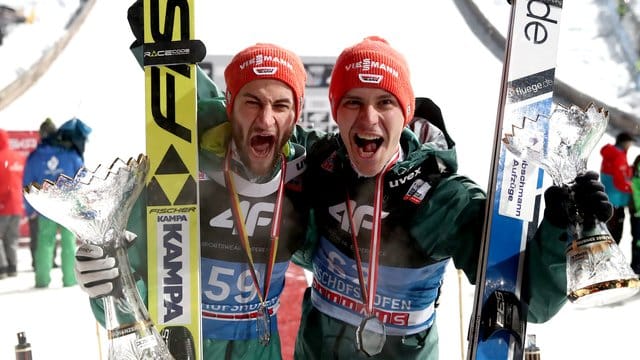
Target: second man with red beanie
[{"x": 391, "y": 213}]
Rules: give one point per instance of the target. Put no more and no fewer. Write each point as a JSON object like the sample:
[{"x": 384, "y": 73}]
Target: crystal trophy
[
  {"x": 597, "y": 271},
  {"x": 95, "y": 206}
]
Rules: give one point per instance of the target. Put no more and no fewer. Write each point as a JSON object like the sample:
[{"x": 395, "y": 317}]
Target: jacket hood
[
  {"x": 4, "y": 140},
  {"x": 74, "y": 132},
  {"x": 610, "y": 150},
  {"x": 416, "y": 152}
]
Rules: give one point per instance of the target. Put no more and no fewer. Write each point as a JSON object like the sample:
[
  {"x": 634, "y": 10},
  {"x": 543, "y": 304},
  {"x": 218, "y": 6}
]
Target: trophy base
[{"x": 604, "y": 293}]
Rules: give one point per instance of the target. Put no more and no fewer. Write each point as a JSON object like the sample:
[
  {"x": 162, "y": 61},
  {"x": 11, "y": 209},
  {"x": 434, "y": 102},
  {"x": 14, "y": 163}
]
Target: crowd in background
[
  {"x": 60, "y": 151},
  {"x": 622, "y": 184}
]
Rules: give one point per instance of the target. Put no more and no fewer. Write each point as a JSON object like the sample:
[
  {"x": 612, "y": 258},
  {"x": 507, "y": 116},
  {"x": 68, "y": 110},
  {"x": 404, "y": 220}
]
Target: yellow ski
[{"x": 173, "y": 246}]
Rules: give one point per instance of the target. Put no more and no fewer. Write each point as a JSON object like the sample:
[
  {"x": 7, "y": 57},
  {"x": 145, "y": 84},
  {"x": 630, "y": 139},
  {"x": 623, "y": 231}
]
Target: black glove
[
  {"x": 591, "y": 200},
  {"x": 584, "y": 200},
  {"x": 135, "y": 16},
  {"x": 558, "y": 206}
]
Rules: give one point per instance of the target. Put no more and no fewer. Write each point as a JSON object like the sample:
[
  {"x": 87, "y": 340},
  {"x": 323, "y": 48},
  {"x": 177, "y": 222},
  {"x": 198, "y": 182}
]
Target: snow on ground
[{"x": 96, "y": 79}]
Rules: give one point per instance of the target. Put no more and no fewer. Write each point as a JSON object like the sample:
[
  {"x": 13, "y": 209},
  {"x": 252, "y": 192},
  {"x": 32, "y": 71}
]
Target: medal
[
  {"x": 263, "y": 324},
  {"x": 263, "y": 318},
  {"x": 371, "y": 334}
]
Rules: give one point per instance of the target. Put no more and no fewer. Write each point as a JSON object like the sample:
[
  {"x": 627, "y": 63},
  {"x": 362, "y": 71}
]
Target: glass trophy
[
  {"x": 597, "y": 271},
  {"x": 95, "y": 206}
]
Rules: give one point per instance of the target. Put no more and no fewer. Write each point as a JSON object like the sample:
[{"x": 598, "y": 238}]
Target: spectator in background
[
  {"x": 63, "y": 155},
  {"x": 74, "y": 135},
  {"x": 47, "y": 134},
  {"x": 615, "y": 174},
  {"x": 11, "y": 171},
  {"x": 634, "y": 210}
]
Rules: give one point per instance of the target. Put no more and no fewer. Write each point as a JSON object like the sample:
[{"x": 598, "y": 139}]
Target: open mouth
[
  {"x": 368, "y": 144},
  {"x": 262, "y": 144}
]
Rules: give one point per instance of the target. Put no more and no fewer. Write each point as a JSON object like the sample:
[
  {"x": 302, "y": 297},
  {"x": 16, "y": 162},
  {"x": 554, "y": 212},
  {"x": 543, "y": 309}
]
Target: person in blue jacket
[
  {"x": 47, "y": 132},
  {"x": 59, "y": 155}
]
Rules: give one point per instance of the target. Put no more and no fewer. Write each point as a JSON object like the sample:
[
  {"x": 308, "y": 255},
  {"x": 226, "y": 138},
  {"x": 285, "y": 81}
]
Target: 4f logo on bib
[
  {"x": 258, "y": 214},
  {"x": 362, "y": 216}
]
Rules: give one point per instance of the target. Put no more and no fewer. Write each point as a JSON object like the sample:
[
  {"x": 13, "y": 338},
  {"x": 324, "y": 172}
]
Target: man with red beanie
[
  {"x": 252, "y": 216},
  {"x": 11, "y": 209},
  {"x": 392, "y": 212}
]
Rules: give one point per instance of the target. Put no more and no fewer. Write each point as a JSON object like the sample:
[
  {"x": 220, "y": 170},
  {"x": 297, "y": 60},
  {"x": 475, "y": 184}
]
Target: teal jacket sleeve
[
  {"x": 545, "y": 282},
  {"x": 461, "y": 204},
  {"x": 303, "y": 257},
  {"x": 306, "y": 137},
  {"x": 450, "y": 224}
]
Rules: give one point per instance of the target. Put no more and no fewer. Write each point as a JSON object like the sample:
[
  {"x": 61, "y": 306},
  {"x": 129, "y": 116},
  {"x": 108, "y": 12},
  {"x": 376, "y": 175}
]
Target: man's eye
[
  {"x": 351, "y": 103},
  {"x": 281, "y": 107},
  {"x": 387, "y": 102}
]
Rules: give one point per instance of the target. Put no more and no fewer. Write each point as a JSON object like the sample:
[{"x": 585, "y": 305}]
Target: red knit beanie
[
  {"x": 265, "y": 61},
  {"x": 372, "y": 63}
]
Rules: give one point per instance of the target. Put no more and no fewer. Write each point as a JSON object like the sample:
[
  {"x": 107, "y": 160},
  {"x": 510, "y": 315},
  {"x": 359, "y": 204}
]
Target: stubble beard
[{"x": 243, "y": 150}]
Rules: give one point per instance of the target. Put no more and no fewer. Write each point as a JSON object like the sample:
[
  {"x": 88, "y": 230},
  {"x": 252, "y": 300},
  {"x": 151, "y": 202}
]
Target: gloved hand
[
  {"x": 585, "y": 197},
  {"x": 96, "y": 271}
]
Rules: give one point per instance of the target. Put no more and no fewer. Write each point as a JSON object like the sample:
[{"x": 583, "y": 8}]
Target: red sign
[{"x": 24, "y": 142}]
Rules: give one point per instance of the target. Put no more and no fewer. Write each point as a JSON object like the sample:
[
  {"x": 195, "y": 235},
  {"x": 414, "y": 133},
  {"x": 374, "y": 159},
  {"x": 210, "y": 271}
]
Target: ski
[
  {"x": 514, "y": 193},
  {"x": 173, "y": 247}
]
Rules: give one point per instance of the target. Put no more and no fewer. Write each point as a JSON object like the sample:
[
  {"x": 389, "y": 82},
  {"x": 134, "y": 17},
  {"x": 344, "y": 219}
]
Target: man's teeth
[
  {"x": 368, "y": 143},
  {"x": 368, "y": 137}
]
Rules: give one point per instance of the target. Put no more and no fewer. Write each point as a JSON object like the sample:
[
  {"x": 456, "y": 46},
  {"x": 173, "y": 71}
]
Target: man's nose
[
  {"x": 266, "y": 116},
  {"x": 369, "y": 114}
]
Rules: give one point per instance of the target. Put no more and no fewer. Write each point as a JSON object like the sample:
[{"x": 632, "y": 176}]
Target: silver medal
[
  {"x": 371, "y": 336},
  {"x": 263, "y": 325}
]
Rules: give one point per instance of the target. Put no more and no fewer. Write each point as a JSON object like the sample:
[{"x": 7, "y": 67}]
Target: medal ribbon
[
  {"x": 369, "y": 291},
  {"x": 242, "y": 230}
]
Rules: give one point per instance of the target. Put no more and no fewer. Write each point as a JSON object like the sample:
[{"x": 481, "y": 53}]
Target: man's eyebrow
[
  {"x": 284, "y": 99},
  {"x": 386, "y": 96},
  {"x": 352, "y": 97},
  {"x": 257, "y": 98},
  {"x": 249, "y": 95}
]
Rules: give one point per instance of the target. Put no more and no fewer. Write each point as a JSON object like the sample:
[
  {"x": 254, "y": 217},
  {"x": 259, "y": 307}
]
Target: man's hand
[
  {"x": 95, "y": 270},
  {"x": 591, "y": 200},
  {"x": 585, "y": 197}
]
